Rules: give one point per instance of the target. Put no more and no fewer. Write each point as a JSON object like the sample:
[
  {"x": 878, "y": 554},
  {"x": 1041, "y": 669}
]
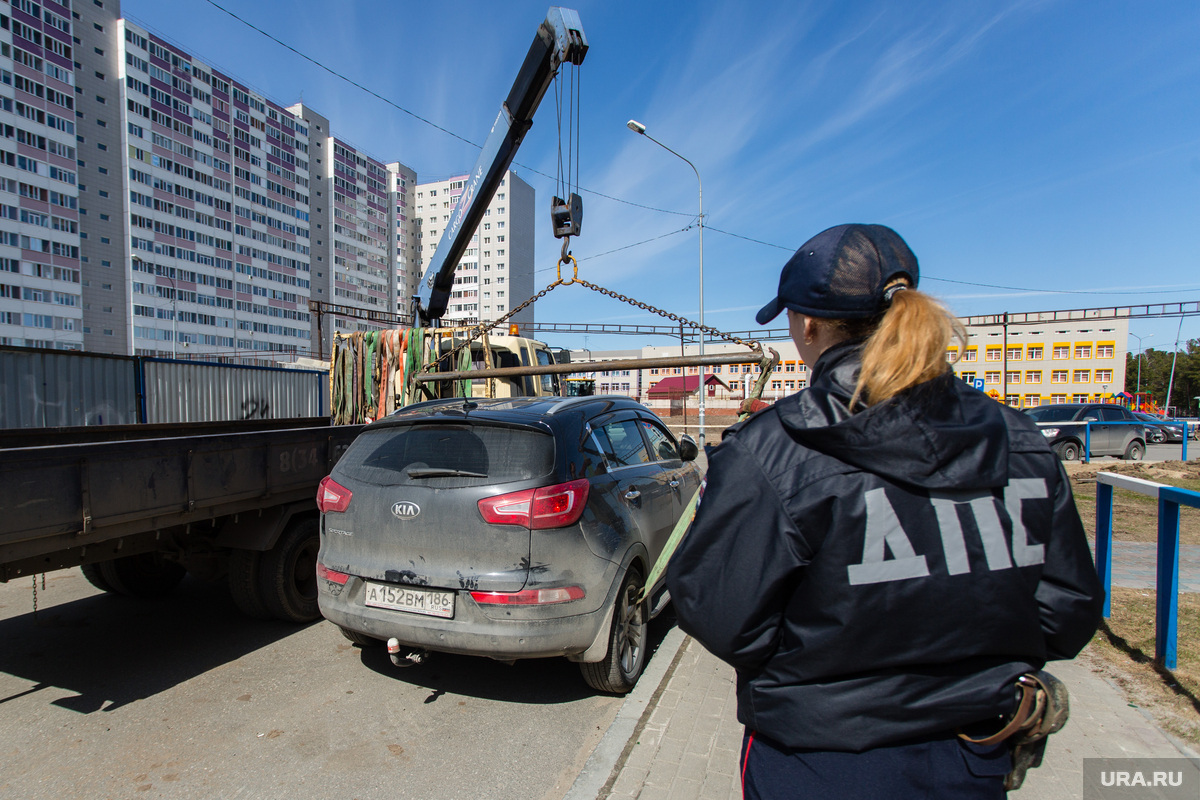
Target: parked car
[
  {"x": 1165, "y": 430},
  {"x": 1064, "y": 425},
  {"x": 514, "y": 528}
]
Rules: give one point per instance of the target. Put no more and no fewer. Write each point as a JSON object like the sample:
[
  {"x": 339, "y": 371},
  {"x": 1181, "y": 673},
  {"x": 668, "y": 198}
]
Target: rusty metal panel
[
  {"x": 49, "y": 388},
  {"x": 180, "y": 391}
]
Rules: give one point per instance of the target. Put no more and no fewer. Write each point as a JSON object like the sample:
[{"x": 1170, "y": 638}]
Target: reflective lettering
[
  {"x": 1024, "y": 553},
  {"x": 883, "y": 529}
]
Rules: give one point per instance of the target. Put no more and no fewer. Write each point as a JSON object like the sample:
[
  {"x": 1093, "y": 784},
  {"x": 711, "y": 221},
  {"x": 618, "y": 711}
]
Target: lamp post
[
  {"x": 640, "y": 129},
  {"x": 1141, "y": 350}
]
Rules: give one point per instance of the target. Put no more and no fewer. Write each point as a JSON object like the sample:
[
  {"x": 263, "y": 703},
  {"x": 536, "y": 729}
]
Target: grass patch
[{"x": 1124, "y": 646}]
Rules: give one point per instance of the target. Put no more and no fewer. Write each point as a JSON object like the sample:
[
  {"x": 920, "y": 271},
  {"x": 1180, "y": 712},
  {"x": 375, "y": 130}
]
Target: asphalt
[{"x": 677, "y": 736}]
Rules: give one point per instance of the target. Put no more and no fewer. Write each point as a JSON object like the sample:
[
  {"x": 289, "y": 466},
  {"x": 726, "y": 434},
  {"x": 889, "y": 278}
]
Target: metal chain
[
  {"x": 35, "y": 594},
  {"x": 479, "y": 330},
  {"x": 752, "y": 344}
]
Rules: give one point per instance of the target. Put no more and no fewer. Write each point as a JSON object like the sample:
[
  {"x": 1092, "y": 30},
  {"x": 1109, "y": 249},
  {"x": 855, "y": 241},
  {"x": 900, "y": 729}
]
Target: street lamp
[
  {"x": 1141, "y": 350},
  {"x": 640, "y": 129}
]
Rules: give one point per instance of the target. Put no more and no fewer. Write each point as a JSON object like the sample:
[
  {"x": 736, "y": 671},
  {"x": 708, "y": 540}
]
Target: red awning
[{"x": 682, "y": 384}]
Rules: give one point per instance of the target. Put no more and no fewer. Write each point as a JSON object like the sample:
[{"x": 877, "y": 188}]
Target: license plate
[{"x": 430, "y": 602}]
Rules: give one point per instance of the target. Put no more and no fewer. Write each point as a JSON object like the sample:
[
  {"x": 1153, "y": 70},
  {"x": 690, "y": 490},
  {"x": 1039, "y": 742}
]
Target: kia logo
[{"x": 405, "y": 510}]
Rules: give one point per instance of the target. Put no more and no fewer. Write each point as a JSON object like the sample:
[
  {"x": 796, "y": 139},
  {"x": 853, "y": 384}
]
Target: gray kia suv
[{"x": 514, "y": 528}]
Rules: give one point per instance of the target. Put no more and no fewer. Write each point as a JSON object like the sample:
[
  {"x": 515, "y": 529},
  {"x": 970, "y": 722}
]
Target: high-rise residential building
[
  {"x": 152, "y": 204},
  {"x": 406, "y": 257},
  {"x": 353, "y": 252},
  {"x": 496, "y": 270},
  {"x": 41, "y": 303},
  {"x": 218, "y": 208}
]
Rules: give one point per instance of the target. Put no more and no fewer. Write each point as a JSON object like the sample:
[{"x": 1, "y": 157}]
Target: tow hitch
[{"x": 405, "y": 659}]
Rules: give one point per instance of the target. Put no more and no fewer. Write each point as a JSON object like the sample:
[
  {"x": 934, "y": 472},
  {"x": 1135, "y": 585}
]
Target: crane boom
[{"x": 559, "y": 40}]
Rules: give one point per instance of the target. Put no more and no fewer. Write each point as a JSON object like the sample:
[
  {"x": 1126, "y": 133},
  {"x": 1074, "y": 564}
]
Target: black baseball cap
[{"x": 841, "y": 273}]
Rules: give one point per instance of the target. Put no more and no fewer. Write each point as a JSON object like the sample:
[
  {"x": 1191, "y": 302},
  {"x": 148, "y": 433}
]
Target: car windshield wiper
[{"x": 433, "y": 472}]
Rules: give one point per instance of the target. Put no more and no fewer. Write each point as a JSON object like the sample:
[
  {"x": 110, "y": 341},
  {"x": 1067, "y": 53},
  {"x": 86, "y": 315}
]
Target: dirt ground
[{"x": 1135, "y": 516}]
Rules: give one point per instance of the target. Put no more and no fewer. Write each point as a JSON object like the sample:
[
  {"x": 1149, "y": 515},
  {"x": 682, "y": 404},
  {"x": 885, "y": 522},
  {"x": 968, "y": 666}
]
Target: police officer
[{"x": 881, "y": 555}]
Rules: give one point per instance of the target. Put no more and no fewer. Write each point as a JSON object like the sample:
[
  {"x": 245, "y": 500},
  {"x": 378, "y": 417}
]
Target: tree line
[{"x": 1156, "y": 374}]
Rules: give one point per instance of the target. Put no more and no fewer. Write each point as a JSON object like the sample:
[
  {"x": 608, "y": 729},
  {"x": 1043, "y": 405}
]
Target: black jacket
[{"x": 885, "y": 575}]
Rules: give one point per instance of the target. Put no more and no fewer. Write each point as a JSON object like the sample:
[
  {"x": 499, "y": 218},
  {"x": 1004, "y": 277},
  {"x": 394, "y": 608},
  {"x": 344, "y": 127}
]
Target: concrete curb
[{"x": 597, "y": 773}]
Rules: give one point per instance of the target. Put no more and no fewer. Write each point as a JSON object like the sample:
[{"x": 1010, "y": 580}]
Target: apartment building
[
  {"x": 496, "y": 271},
  {"x": 407, "y": 258},
  {"x": 41, "y": 299}
]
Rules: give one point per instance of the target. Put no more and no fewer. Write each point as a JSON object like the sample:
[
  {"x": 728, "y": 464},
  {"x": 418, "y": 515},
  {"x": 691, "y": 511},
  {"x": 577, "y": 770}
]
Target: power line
[
  {"x": 625, "y": 247},
  {"x": 418, "y": 117}
]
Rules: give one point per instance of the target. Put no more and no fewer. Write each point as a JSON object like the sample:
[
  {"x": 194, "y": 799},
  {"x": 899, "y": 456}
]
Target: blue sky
[{"x": 1047, "y": 147}]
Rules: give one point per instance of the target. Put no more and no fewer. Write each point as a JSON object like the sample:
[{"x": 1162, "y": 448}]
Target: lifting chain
[{"x": 479, "y": 330}]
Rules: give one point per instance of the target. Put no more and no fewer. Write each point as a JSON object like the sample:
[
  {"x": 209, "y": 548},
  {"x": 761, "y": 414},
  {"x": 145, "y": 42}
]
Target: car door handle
[
  {"x": 632, "y": 494},
  {"x": 674, "y": 484}
]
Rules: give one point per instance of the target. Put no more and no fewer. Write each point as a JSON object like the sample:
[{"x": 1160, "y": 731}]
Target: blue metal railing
[
  {"x": 1087, "y": 437},
  {"x": 1170, "y": 498}
]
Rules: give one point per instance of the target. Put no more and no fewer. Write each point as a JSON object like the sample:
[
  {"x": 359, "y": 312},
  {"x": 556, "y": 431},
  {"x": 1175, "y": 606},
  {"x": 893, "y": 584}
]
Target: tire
[
  {"x": 95, "y": 577},
  {"x": 360, "y": 639},
  {"x": 288, "y": 573},
  {"x": 1068, "y": 451},
  {"x": 245, "y": 587},
  {"x": 622, "y": 665},
  {"x": 1135, "y": 451},
  {"x": 146, "y": 575}
]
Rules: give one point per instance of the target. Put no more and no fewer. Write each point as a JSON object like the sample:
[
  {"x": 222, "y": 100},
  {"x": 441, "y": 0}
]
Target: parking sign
[{"x": 978, "y": 384}]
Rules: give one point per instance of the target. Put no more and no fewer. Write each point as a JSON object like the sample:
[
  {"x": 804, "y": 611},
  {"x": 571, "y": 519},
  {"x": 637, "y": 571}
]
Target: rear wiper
[{"x": 433, "y": 472}]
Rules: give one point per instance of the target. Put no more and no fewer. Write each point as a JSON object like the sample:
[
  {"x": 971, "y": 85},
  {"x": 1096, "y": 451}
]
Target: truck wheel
[
  {"x": 1135, "y": 451},
  {"x": 1068, "y": 451},
  {"x": 244, "y": 585},
  {"x": 146, "y": 575},
  {"x": 92, "y": 573},
  {"x": 360, "y": 639},
  {"x": 288, "y": 574},
  {"x": 622, "y": 665}
]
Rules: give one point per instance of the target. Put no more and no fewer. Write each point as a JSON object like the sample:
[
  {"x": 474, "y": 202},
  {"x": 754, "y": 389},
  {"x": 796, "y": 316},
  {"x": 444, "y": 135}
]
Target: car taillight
[
  {"x": 539, "y": 509},
  {"x": 530, "y": 597},
  {"x": 333, "y": 576},
  {"x": 332, "y": 496}
]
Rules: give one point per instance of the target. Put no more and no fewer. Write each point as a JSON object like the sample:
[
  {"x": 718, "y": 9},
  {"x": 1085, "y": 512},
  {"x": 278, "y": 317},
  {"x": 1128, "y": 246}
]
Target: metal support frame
[
  {"x": 601, "y": 366},
  {"x": 1170, "y": 498}
]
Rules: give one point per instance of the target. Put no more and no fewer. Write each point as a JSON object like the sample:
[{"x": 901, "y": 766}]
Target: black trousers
[{"x": 936, "y": 768}]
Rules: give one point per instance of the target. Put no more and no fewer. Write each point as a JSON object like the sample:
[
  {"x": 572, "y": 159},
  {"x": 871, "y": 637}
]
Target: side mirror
[{"x": 687, "y": 448}]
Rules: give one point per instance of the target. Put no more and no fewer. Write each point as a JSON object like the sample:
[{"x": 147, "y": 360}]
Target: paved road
[{"x": 103, "y": 696}]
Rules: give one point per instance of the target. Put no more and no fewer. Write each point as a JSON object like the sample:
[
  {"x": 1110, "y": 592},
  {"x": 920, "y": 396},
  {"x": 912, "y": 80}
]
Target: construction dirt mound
[{"x": 1175, "y": 473}]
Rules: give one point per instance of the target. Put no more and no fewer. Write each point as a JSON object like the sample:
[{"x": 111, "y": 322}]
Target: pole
[
  {"x": 1171, "y": 380},
  {"x": 640, "y": 129}
]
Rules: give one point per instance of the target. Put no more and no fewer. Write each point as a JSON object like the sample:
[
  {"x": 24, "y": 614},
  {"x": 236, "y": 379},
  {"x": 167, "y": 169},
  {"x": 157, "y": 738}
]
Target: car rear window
[{"x": 416, "y": 453}]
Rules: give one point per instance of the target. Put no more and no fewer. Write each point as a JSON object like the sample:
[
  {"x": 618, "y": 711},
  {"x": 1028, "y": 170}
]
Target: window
[
  {"x": 1061, "y": 351},
  {"x": 1033, "y": 376},
  {"x": 1058, "y": 399},
  {"x": 1033, "y": 400},
  {"x": 1058, "y": 376},
  {"x": 1014, "y": 354},
  {"x": 995, "y": 354},
  {"x": 1104, "y": 376},
  {"x": 969, "y": 354},
  {"x": 1034, "y": 353},
  {"x": 622, "y": 444},
  {"x": 1012, "y": 377},
  {"x": 952, "y": 355},
  {"x": 1083, "y": 351},
  {"x": 1105, "y": 351},
  {"x": 1013, "y": 400},
  {"x": 969, "y": 377},
  {"x": 660, "y": 443},
  {"x": 991, "y": 377},
  {"x": 1079, "y": 398},
  {"x": 1083, "y": 375}
]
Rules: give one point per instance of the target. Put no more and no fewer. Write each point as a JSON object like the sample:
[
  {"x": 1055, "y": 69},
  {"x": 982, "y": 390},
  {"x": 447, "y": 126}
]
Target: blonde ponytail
[{"x": 907, "y": 347}]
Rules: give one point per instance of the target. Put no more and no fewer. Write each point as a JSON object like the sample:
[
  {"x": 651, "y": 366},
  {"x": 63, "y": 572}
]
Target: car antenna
[{"x": 469, "y": 404}]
